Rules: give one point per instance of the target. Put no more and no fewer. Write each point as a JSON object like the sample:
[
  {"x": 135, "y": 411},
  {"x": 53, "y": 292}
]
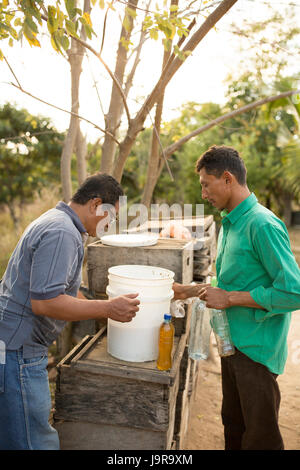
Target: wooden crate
[
  {"x": 105, "y": 403},
  {"x": 173, "y": 254},
  {"x": 204, "y": 253}
]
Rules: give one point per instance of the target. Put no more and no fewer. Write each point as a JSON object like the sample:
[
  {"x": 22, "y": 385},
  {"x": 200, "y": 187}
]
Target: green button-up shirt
[{"x": 254, "y": 255}]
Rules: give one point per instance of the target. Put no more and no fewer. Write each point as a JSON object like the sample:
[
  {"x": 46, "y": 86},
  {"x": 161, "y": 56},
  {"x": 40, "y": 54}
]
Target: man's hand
[
  {"x": 215, "y": 297},
  {"x": 221, "y": 299},
  {"x": 123, "y": 308},
  {"x": 182, "y": 291}
]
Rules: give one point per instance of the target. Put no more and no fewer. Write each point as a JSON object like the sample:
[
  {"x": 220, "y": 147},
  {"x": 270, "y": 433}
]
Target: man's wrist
[
  {"x": 242, "y": 299},
  {"x": 232, "y": 298}
]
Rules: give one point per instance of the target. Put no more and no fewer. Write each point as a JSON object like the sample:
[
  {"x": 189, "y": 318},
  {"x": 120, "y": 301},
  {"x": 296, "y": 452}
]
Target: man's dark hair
[
  {"x": 218, "y": 159},
  {"x": 98, "y": 185}
]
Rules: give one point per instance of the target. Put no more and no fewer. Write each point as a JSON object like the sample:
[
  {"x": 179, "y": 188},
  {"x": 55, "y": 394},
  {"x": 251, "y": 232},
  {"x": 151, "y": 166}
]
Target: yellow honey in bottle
[{"x": 166, "y": 336}]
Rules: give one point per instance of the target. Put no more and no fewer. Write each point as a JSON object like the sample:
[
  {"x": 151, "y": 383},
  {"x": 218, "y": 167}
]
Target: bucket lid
[
  {"x": 139, "y": 271},
  {"x": 128, "y": 240}
]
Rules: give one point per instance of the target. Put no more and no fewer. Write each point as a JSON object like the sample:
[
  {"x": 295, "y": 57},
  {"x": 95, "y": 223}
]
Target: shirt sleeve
[
  {"x": 272, "y": 246},
  {"x": 54, "y": 263}
]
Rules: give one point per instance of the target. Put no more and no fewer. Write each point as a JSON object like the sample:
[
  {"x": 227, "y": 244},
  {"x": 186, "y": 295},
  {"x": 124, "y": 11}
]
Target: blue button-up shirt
[{"x": 46, "y": 262}]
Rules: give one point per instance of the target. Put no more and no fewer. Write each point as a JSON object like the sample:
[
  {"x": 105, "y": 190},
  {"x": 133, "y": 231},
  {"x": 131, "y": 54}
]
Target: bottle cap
[
  {"x": 167, "y": 316},
  {"x": 214, "y": 282}
]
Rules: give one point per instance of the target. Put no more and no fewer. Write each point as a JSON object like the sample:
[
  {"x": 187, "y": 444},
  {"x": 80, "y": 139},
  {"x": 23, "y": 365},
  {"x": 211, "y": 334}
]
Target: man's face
[
  {"x": 214, "y": 189},
  {"x": 103, "y": 216}
]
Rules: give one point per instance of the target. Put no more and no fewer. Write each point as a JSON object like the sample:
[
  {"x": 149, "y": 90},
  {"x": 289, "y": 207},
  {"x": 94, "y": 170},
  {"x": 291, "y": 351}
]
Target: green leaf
[
  {"x": 71, "y": 8},
  {"x": 89, "y": 31},
  {"x": 126, "y": 23},
  {"x": 64, "y": 41},
  {"x": 52, "y": 22},
  {"x": 153, "y": 34},
  {"x": 31, "y": 24},
  {"x": 71, "y": 28},
  {"x": 55, "y": 43},
  {"x": 131, "y": 12}
]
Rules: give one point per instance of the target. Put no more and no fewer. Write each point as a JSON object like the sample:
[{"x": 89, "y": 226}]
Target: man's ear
[
  {"x": 94, "y": 203},
  {"x": 228, "y": 177}
]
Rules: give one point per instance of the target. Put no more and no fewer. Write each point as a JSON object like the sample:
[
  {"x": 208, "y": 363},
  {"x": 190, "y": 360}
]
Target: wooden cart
[{"x": 105, "y": 403}]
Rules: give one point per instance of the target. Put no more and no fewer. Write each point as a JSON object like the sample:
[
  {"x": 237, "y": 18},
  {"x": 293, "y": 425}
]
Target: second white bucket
[{"x": 137, "y": 341}]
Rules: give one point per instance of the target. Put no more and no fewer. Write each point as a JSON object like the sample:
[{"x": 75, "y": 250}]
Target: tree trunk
[
  {"x": 153, "y": 170},
  {"x": 137, "y": 124},
  {"x": 81, "y": 155},
  {"x": 113, "y": 117},
  {"x": 74, "y": 137},
  {"x": 287, "y": 207},
  {"x": 15, "y": 218}
]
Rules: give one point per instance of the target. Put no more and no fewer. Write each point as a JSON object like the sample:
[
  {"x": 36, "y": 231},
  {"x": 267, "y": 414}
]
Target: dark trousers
[{"x": 250, "y": 406}]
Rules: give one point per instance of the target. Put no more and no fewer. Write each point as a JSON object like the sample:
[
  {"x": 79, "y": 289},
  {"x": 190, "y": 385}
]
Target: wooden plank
[
  {"x": 67, "y": 359},
  {"x": 88, "y": 345},
  {"x": 100, "y": 399},
  {"x": 81, "y": 435},
  {"x": 176, "y": 255},
  {"x": 97, "y": 361}
]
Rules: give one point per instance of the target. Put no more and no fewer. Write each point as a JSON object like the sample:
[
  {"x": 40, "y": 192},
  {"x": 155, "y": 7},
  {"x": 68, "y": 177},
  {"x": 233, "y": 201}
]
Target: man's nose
[{"x": 204, "y": 194}]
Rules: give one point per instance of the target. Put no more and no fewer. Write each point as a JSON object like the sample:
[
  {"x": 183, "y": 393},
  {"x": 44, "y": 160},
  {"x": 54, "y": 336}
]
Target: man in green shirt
[{"x": 259, "y": 286}]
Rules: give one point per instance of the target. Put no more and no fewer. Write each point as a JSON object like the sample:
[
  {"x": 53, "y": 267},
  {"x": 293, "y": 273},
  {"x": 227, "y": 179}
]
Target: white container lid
[
  {"x": 128, "y": 240},
  {"x": 141, "y": 272}
]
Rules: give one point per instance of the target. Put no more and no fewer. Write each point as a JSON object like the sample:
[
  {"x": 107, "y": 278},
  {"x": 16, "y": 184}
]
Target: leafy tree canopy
[{"x": 30, "y": 149}]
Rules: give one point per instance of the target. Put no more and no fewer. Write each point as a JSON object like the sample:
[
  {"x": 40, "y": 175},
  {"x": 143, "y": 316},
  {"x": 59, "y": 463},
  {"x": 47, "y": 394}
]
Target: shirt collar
[
  {"x": 62, "y": 206},
  {"x": 240, "y": 209}
]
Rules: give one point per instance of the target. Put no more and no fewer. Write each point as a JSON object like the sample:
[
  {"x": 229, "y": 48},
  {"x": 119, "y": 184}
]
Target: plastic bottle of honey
[{"x": 166, "y": 336}]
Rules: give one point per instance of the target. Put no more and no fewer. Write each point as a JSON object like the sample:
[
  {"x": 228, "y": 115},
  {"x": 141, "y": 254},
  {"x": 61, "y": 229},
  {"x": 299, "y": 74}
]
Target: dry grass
[
  {"x": 294, "y": 234},
  {"x": 9, "y": 236}
]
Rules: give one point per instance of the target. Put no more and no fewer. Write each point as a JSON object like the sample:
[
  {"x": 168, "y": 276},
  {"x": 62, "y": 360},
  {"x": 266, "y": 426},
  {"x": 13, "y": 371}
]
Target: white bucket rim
[
  {"x": 169, "y": 275},
  {"x": 144, "y": 300}
]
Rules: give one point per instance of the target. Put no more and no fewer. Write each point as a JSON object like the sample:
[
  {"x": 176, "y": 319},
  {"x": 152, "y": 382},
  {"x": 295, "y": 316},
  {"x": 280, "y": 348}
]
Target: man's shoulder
[
  {"x": 262, "y": 219},
  {"x": 54, "y": 221}
]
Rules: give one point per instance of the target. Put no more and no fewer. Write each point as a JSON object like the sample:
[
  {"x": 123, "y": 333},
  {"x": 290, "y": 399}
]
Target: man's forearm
[
  {"x": 220, "y": 298},
  {"x": 242, "y": 299},
  {"x": 65, "y": 307}
]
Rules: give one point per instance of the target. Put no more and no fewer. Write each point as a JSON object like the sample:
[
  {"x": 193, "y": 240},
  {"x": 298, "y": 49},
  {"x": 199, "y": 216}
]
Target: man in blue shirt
[{"x": 38, "y": 294}]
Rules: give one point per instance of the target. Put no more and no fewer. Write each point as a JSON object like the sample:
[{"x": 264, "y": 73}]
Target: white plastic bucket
[{"x": 137, "y": 341}]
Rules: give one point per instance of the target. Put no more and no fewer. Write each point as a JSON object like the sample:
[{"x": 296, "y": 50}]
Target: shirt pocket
[{"x": 233, "y": 272}]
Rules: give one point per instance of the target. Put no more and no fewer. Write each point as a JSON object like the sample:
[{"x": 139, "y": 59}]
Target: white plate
[{"x": 128, "y": 240}]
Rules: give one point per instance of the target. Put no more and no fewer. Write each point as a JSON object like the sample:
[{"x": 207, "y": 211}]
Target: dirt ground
[{"x": 205, "y": 427}]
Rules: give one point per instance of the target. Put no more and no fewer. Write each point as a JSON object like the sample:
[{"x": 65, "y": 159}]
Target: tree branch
[
  {"x": 172, "y": 148},
  {"x": 65, "y": 111},
  {"x": 173, "y": 65},
  {"x": 97, "y": 54}
]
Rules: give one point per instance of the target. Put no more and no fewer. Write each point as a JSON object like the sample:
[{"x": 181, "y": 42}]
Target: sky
[{"x": 45, "y": 74}]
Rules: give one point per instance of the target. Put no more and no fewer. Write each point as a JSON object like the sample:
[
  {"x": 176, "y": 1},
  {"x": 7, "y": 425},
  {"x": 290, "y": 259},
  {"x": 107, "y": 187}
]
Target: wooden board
[
  {"x": 95, "y": 387},
  {"x": 173, "y": 254},
  {"x": 105, "y": 403}
]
